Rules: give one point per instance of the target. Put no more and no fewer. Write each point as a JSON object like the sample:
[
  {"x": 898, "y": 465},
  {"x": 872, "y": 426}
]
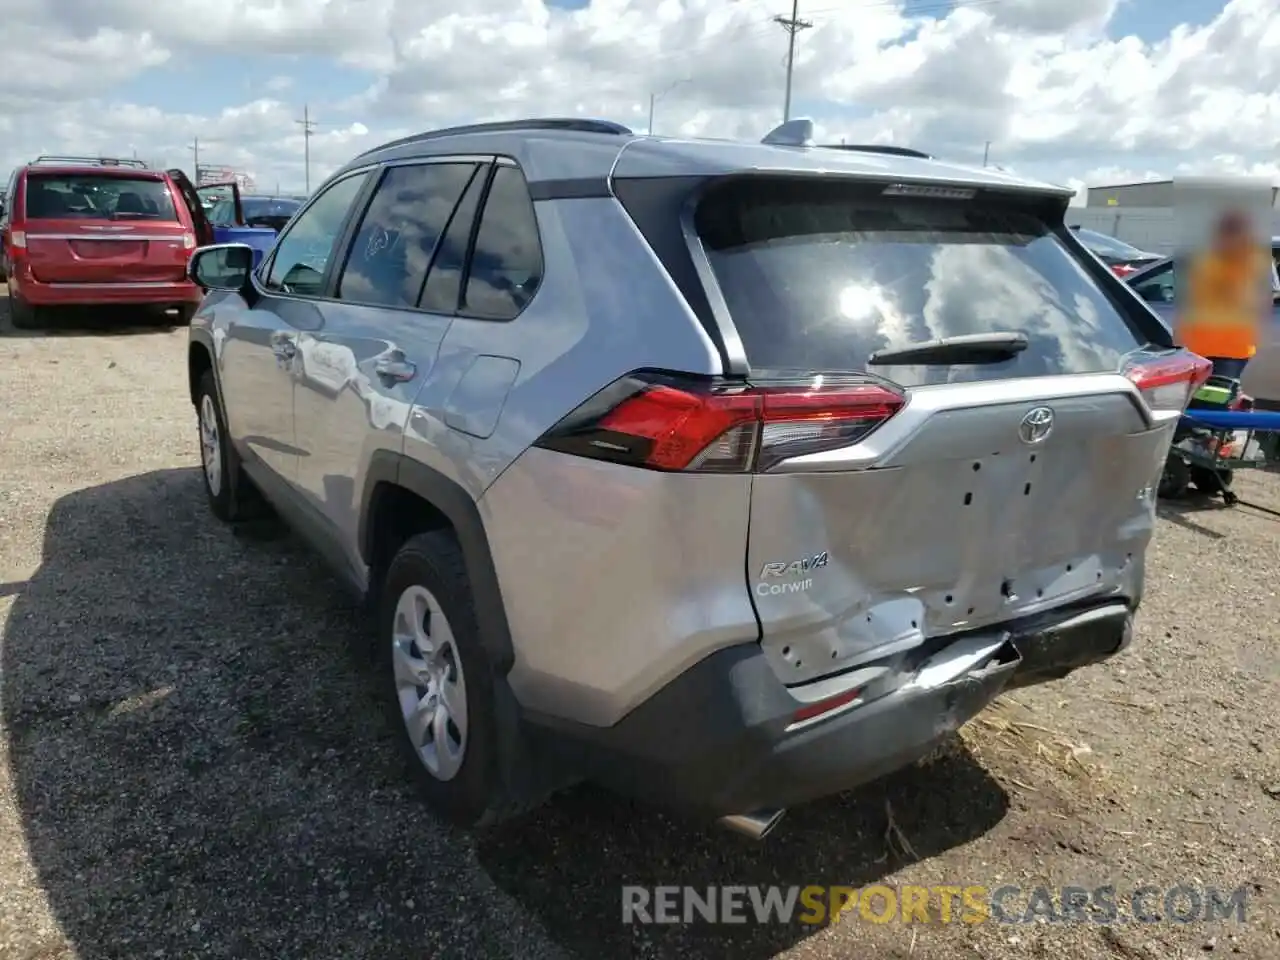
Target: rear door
[
  {"x": 997, "y": 489},
  {"x": 360, "y": 369},
  {"x": 90, "y": 227}
]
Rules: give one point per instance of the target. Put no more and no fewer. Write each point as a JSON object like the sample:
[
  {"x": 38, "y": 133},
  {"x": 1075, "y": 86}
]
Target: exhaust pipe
[{"x": 756, "y": 825}]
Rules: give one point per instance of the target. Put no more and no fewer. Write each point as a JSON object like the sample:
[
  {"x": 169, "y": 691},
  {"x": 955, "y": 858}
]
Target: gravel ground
[{"x": 192, "y": 763}]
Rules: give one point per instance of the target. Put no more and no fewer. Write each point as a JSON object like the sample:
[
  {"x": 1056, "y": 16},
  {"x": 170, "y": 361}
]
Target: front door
[{"x": 258, "y": 342}]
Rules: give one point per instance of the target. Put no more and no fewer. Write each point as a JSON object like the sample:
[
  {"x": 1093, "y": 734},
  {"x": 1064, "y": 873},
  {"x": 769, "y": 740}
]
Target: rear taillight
[
  {"x": 188, "y": 241},
  {"x": 18, "y": 240},
  {"x": 1167, "y": 383},
  {"x": 664, "y": 422}
]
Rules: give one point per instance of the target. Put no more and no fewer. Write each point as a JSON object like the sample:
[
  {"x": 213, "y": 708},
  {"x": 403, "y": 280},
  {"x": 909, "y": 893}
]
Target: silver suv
[{"x": 729, "y": 475}]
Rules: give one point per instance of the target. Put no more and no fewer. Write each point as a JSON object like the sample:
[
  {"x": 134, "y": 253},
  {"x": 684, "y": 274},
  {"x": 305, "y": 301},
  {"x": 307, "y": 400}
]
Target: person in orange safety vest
[{"x": 1223, "y": 308}]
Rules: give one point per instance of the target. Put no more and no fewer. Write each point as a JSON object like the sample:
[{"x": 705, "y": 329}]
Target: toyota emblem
[{"x": 1036, "y": 425}]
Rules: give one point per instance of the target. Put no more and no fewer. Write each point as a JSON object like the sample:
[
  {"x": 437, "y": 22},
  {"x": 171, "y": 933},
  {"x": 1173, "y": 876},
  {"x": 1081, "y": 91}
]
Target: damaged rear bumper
[{"x": 723, "y": 738}]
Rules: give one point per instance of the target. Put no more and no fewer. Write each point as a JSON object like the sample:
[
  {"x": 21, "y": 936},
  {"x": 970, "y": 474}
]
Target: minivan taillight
[
  {"x": 18, "y": 239},
  {"x": 664, "y": 422},
  {"x": 1167, "y": 383}
]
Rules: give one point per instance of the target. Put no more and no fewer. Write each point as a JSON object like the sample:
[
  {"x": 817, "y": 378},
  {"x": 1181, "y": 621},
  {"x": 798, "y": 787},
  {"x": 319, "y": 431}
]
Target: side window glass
[
  {"x": 301, "y": 254},
  {"x": 444, "y": 283},
  {"x": 399, "y": 232},
  {"x": 506, "y": 266}
]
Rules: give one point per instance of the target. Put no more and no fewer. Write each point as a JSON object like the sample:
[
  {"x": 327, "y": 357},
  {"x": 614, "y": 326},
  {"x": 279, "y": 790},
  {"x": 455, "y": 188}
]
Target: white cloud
[{"x": 1046, "y": 82}]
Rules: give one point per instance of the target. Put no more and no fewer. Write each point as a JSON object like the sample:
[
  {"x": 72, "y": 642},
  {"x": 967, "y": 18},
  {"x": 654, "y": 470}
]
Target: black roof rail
[
  {"x": 886, "y": 148},
  {"x": 575, "y": 124},
  {"x": 90, "y": 161}
]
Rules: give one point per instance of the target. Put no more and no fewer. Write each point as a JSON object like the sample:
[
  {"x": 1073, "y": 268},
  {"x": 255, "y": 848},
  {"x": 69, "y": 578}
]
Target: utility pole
[
  {"x": 308, "y": 127},
  {"x": 195, "y": 151},
  {"x": 986, "y": 153},
  {"x": 655, "y": 96},
  {"x": 792, "y": 25}
]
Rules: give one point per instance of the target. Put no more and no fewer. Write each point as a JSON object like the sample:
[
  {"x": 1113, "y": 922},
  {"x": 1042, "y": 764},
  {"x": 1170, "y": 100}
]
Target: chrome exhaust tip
[{"x": 756, "y": 825}]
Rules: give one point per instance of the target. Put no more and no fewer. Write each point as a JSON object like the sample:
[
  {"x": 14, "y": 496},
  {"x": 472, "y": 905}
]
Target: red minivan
[{"x": 90, "y": 232}]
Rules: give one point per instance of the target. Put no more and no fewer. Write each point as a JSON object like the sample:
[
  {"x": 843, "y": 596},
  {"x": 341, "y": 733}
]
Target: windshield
[
  {"x": 278, "y": 209},
  {"x": 96, "y": 197}
]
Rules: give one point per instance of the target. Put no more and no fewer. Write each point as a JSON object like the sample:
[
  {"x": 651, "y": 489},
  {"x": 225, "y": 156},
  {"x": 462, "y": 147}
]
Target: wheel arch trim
[{"x": 388, "y": 467}]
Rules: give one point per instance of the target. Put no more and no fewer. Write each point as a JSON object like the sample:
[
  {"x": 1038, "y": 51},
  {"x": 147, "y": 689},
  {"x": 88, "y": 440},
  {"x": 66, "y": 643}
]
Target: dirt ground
[{"x": 192, "y": 763}]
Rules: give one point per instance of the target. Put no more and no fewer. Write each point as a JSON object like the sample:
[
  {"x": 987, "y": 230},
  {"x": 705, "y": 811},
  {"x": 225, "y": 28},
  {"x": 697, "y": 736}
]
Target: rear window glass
[
  {"x": 89, "y": 197},
  {"x": 818, "y": 276}
]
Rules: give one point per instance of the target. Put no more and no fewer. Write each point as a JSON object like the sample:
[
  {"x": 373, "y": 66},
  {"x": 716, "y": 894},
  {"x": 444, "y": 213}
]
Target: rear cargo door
[
  {"x": 103, "y": 228},
  {"x": 1000, "y": 487}
]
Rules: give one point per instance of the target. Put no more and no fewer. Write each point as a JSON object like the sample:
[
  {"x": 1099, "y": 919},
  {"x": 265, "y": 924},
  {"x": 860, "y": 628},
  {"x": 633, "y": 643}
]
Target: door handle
[{"x": 396, "y": 369}]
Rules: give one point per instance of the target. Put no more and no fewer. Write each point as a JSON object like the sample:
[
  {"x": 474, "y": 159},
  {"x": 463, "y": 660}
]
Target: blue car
[{"x": 250, "y": 219}]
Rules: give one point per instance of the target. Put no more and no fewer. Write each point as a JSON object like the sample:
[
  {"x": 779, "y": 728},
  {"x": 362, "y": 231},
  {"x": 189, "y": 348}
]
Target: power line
[
  {"x": 792, "y": 25},
  {"x": 308, "y": 128}
]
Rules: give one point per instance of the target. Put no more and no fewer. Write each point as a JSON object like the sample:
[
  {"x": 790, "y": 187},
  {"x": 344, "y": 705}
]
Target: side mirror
[{"x": 223, "y": 266}]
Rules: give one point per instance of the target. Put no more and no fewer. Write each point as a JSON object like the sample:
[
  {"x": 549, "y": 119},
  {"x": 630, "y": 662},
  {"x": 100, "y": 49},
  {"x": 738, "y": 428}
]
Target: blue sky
[
  {"x": 199, "y": 82},
  {"x": 1046, "y": 80}
]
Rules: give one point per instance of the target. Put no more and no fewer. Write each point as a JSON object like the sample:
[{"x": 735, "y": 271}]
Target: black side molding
[
  {"x": 389, "y": 468},
  {"x": 576, "y": 188}
]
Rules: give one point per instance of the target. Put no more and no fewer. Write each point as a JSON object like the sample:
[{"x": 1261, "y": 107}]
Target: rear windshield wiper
[{"x": 967, "y": 348}]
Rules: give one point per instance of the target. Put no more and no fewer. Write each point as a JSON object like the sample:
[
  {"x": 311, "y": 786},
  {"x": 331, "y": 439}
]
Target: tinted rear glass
[
  {"x": 90, "y": 197},
  {"x": 818, "y": 276}
]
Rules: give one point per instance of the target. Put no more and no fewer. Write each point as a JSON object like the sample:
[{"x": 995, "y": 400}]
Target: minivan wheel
[
  {"x": 230, "y": 493},
  {"x": 23, "y": 315},
  {"x": 438, "y": 680}
]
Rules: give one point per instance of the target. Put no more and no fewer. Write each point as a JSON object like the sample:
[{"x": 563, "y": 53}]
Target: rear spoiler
[
  {"x": 49, "y": 159},
  {"x": 799, "y": 133}
]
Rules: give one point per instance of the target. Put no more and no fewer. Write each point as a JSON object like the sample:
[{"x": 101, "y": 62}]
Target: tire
[
  {"x": 1175, "y": 479},
  {"x": 426, "y": 602},
  {"x": 230, "y": 493},
  {"x": 23, "y": 315},
  {"x": 1204, "y": 480}
]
